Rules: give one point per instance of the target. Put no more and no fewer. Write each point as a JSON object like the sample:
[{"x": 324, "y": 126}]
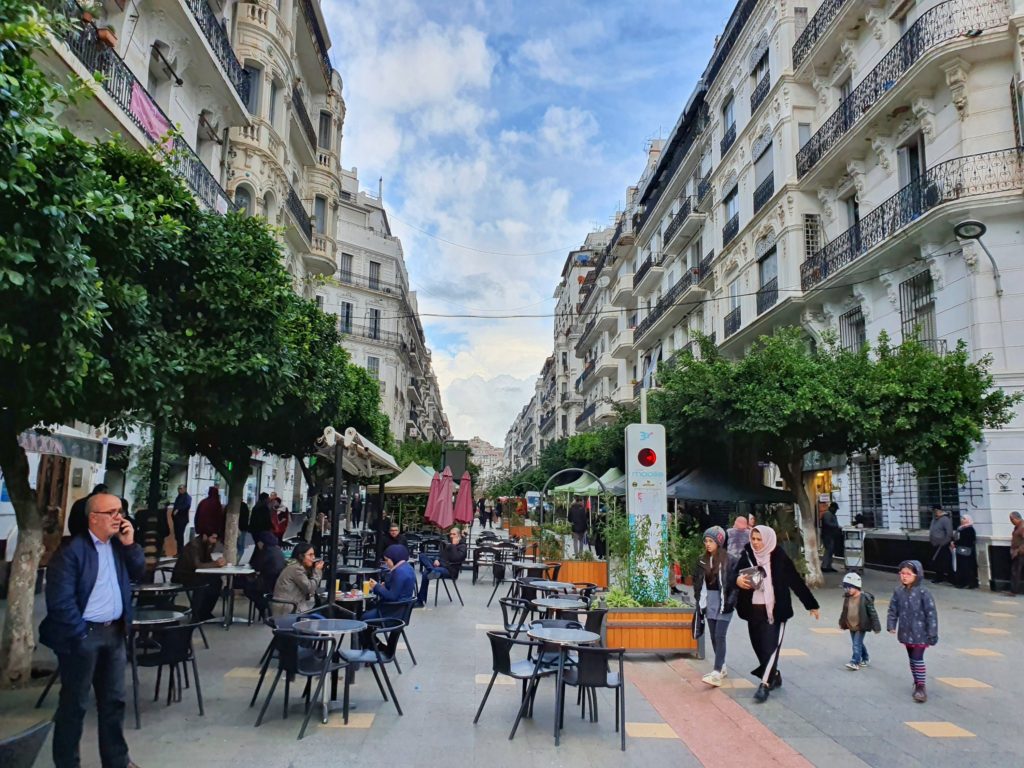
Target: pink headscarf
[{"x": 764, "y": 559}]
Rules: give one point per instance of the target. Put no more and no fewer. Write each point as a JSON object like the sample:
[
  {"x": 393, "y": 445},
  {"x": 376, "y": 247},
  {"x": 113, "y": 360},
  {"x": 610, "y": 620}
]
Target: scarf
[{"x": 764, "y": 559}]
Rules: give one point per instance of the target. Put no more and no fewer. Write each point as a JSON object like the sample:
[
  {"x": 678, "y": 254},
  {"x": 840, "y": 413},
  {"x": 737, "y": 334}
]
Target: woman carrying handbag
[{"x": 715, "y": 593}]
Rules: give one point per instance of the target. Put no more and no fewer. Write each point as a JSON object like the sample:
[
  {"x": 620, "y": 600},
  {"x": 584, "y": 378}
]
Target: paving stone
[{"x": 941, "y": 730}]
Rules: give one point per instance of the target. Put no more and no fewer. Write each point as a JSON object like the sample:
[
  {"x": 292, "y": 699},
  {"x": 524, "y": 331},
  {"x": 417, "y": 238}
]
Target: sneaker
[
  {"x": 725, "y": 671},
  {"x": 852, "y": 665},
  {"x": 864, "y": 664},
  {"x": 920, "y": 694},
  {"x": 713, "y": 678}
]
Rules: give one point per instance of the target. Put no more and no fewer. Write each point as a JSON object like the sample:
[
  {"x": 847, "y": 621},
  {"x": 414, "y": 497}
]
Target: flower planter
[
  {"x": 107, "y": 37},
  {"x": 520, "y": 531},
  {"x": 652, "y": 630},
  {"x": 591, "y": 571},
  {"x": 504, "y": 523}
]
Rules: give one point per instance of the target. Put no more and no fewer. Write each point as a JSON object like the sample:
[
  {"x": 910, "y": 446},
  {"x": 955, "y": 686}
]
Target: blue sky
[{"x": 505, "y": 131}]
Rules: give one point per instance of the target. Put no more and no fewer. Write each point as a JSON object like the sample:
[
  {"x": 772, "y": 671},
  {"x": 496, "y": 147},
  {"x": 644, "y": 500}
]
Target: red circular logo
[{"x": 647, "y": 457}]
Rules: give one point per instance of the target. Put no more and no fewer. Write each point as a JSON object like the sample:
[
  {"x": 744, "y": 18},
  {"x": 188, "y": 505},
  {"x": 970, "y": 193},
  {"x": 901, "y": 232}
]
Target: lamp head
[{"x": 970, "y": 229}]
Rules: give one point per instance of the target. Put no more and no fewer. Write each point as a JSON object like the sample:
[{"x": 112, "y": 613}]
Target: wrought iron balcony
[
  {"x": 764, "y": 192},
  {"x": 760, "y": 92},
  {"x": 121, "y": 84},
  {"x": 637, "y": 386},
  {"x": 815, "y": 28},
  {"x": 586, "y": 413},
  {"x": 217, "y": 37},
  {"x": 586, "y": 332},
  {"x": 588, "y": 370},
  {"x": 665, "y": 303},
  {"x": 309, "y": 14},
  {"x": 298, "y": 212},
  {"x": 733, "y": 322},
  {"x": 963, "y": 177},
  {"x": 730, "y": 230},
  {"x": 768, "y": 295},
  {"x": 685, "y": 210},
  {"x": 944, "y": 22},
  {"x": 705, "y": 267},
  {"x": 642, "y": 272},
  {"x": 547, "y": 421},
  {"x": 703, "y": 187},
  {"x": 373, "y": 333},
  {"x": 303, "y": 116},
  {"x": 728, "y": 139}
]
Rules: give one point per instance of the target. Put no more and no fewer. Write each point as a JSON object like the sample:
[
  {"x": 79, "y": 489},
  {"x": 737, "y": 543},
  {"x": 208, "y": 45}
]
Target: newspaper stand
[{"x": 853, "y": 547}]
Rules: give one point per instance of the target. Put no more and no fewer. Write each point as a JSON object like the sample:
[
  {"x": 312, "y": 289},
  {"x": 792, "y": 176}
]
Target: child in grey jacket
[{"x": 912, "y": 610}]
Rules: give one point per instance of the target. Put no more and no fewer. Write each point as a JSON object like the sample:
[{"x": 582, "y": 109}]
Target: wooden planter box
[
  {"x": 592, "y": 571},
  {"x": 652, "y": 630},
  {"x": 520, "y": 531}
]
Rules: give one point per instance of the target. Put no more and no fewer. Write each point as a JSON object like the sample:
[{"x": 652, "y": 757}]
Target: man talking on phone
[{"x": 88, "y": 615}]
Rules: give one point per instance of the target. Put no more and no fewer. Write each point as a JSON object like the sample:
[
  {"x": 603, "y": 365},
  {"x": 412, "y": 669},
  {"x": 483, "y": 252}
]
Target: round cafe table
[
  {"x": 228, "y": 573},
  {"x": 553, "y": 586},
  {"x": 555, "y": 604},
  {"x": 336, "y": 629},
  {"x": 528, "y": 567},
  {"x": 148, "y": 617},
  {"x": 563, "y": 639}
]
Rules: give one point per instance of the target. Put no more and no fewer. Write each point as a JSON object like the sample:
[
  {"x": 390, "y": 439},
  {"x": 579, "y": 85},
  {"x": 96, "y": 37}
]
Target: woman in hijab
[
  {"x": 765, "y": 602},
  {"x": 965, "y": 554},
  {"x": 715, "y": 594}
]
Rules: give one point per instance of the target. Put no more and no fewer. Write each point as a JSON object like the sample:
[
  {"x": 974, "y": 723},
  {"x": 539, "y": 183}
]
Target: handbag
[
  {"x": 964, "y": 551},
  {"x": 698, "y": 623}
]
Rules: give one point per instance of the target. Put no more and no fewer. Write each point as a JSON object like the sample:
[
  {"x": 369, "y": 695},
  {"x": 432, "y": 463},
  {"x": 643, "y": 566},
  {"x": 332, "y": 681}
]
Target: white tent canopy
[
  {"x": 360, "y": 456},
  {"x": 414, "y": 479}
]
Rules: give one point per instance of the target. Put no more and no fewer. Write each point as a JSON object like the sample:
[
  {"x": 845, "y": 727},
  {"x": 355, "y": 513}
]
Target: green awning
[
  {"x": 609, "y": 479},
  {"x": 575, "y": 486}
]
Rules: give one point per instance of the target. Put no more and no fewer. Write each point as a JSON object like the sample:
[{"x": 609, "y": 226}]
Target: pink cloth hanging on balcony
[{"x": 153, "y": 121}]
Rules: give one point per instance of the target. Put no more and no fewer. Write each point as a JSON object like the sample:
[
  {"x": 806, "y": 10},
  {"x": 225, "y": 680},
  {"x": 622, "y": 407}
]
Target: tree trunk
[
  {"x": 235, "y": 477},
  {"x": 18, "y": 641},
  {"x": 149, "y": 537},
  {"x": 792, "y": 473},
  {"x": 307, "y": 473}
]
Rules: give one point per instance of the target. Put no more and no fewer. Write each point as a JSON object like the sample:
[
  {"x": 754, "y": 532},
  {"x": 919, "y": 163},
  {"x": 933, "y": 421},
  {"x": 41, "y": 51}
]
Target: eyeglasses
[{"x": 107, "y": 512}]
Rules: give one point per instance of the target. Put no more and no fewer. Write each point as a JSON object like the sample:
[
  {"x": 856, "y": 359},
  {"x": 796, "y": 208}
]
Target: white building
[{"x": 488, "y": 458}]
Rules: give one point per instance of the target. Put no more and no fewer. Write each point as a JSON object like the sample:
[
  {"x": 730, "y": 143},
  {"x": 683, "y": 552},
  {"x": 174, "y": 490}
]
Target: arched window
[{"x": 243, "y": 200}]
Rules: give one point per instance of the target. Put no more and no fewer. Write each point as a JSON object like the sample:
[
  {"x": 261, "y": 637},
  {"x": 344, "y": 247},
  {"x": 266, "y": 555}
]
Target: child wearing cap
[{"x": 859, "y": 617}]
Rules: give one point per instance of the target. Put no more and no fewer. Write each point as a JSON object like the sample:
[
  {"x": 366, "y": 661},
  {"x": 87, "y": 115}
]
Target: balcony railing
[
  {"x": 588, "y": 370},
  {"x": 217, "y": 37},
  {"x": 313, "y": 24},
  {"x": 586, "y": 413},
  {"x": 760, "y": 92},
  {"x": 372, "y": 333},
  {"x": 665, "y": 303},
  {"x": 127, "y": 91},
  {"x": 767, "y": 295},
  {"x": 677, "y": 221},
  {"x": 764, "y": 192},
  {"x": 730, "y": 230},
  {"x": 642, "y": 272},
  {"x": 705, "y": 267},
  {"x": 300, "y": 111},
  {"x": 298, "y": 212},
  {"x": 703, "y": 187},
  {"x": 547, "y": 421},
  {"x": 815, "y": 28},
  {"x": 728, "y": 139},
  {"x": 935, "y": 346},
  {"x": 962, "y": 177},
  {"x": 637, "y": 386},
  {"x": 374, "y": 284},
  {"x": 732, "y": 322},
  {"x": 946, "y": 21}
]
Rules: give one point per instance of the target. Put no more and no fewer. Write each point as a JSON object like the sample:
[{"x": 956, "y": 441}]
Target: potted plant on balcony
[
  {"x": 107, "y": 36},
  {"x": 89, "y": 11}
]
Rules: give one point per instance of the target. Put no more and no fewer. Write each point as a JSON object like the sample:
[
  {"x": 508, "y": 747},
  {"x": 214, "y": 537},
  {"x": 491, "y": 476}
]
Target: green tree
[{"x": 784, "y": 399}]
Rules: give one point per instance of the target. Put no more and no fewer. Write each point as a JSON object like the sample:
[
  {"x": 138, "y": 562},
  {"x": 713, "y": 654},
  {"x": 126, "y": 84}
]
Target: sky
[{"x": 505, "y": 132}]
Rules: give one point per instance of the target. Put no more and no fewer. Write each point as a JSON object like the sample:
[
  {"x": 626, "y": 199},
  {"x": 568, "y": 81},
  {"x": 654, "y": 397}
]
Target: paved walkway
[{"x": 824, "y": 715}]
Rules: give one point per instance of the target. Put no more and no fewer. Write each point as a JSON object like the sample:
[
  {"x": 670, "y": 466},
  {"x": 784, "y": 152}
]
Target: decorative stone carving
[
  {"x": 729, "y": 183},
  {"x": 766, "y": 238},
  {"x": 761, "y": 143},
  {"x": 855, "y": 168},
  {"x": 956, "y": 78},
  {"x": 730, "y": 265},
  {"x": 759, "y": 49},
  {"x": 848, "y": 47},
  {"x": 821, "y": 86},
  {"x": 882, "y": 146},
  {"x": 863, "y": 298},
  {"x": 925, "y": 113},
  {"x": 817, "y": 321},
  {"x": 827, "y": 196},
  {"x": 891, "y": 282},
  {"x": 876, "y": 18}
]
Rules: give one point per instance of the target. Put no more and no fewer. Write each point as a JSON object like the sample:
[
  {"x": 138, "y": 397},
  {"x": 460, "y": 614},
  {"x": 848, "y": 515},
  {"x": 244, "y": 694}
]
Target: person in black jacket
[
  {"x": 765, "y": 602},
  {"x": 965, "y": 554},
  {"x": 447, "y": 563},
  {"x": 715, "y": 594}
]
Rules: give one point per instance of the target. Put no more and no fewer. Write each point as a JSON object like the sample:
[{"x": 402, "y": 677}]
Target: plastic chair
[
  {"x": 590, "y": 673},
  {"x": 500, "y": 570},
  {"x": 551, "y": 574},
  {"x": 21, "y": 749},
  {"x": 443, "y": 579},
  {"x": 286, "y": 621},
  {"x": 515, "y": 613},
  {"x": 483, "y": 555},
  {"x": 307, "y": 655},
  {"x": 171, "y": 647},
  {"x": 527, "y": 670},
  {"x": 379, "y": 646},
  {"x": 401, "y": 610}
]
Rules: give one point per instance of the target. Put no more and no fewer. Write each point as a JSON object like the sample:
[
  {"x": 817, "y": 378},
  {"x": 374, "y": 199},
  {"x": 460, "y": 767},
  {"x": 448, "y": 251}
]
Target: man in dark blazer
[{"x": 88, "y": 616}]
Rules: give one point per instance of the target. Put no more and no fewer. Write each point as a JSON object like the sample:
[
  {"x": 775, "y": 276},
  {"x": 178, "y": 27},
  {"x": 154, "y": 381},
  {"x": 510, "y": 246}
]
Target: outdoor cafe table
[
  {"x": 336, "y": 629},
  {"x": 563, "y": 638},
  {"x": 355, "y": 601},
  {"x": 356, "y": 571},
  {"x": 529, "y": 566},
  {"x": 228, "y": 572},
  {"x": 146, "y": 617},
  {"x": 157, "y": 588},
  {"x": 552, "y": 586},
  {"x": 556, "y": 604}
]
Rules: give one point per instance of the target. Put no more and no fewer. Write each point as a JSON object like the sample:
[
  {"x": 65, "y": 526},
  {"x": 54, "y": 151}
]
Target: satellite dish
[{"x": 603, "y": 281}]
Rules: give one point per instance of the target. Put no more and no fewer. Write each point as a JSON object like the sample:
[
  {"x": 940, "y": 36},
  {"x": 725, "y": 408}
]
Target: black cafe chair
[
  {"x": 378, "y": 647},
  {"x": 21, "y": 749},
  {"x": 525, "y": 670},
  {"x": 591, "y": 672},
  {"x": 170, "y": 646}
]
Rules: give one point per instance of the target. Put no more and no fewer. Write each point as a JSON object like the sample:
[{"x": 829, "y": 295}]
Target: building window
[
  {"x": 812, "y": 234},
  {"x": 729, "y": 112},
  {"x": 345, "y": 318},
  {"x": 845, "y": 88},
  {"x": 803, "y": 134},
  {"x": 799, "y": 20},
  {"x": 917, "y": 308},
  {"x": 374, "y": 278},
  {"x": 373, "y": 366},
  {"x": 255, "y": 73},
  {"x": 911, "y": 160},
  {"x": 853, "y": 330},
  {"x": 345, "y": 272},
  {"x": 320, "y": 214},
  {"x": 734, "y": 295},
  {"x": 943, "y": 488},
  {"x": 324, "y": 139},
  {"x": 272, "y": 107},
  {"x": 243, "y": 200},
  {"x": 374, "y": 323},
  {"x": 731, "y": 204},
  {"x": 761, "y": 68},
  {"x": 319, "y": 302}
]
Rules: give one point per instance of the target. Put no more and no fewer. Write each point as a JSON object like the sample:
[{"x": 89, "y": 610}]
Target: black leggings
[{"x": 766, "y": 640}]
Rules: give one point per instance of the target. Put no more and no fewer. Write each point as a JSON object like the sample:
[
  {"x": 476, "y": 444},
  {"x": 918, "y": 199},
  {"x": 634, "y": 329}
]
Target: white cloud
[
  {"x": 474, "y": 401},
  {"x": 567, "y": 130}
]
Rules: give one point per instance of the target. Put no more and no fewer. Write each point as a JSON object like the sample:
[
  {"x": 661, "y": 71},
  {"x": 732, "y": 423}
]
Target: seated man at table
[
  {"x": 205, "y": 587},
  {"x": 447, "y": 562},
  {"x": 399, "y": 582},
  {"x": 299, "y": 581},
  {"x": 395, "y": 536}
]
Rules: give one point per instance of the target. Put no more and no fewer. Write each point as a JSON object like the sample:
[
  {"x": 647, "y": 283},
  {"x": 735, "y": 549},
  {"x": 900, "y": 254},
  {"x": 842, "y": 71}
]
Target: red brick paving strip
[{"x": 718, "y": 731}]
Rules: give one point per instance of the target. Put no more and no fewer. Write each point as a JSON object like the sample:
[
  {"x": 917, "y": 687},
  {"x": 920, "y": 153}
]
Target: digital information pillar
[{"x": 646, "y": 498}]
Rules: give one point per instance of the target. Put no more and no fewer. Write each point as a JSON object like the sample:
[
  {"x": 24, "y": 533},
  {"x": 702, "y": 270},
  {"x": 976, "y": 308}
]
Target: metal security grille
[
  {"x": 866, "y": 492},
  {"x": 852, "y": 330},
  {"x": 812, "y": 234},
  {"x": 914, "y": 495},
  {"x": 917, "y": 307}
]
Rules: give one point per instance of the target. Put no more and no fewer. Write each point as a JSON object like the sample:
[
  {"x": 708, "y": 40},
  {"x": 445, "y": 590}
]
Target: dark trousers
[
  {"x": 966, "y": 571},
  {"x": 430, "y": 571},
  {"x": 98, "y": 664},
  {"x": 829, "y": 537},
  {"x": 1016, "y": 573},
  {"x": 766, "y": 640},
  {"x": 180, "y": 524},
  {"x": 717, "y": 631},
  {"x": 942, "y": 563},
  {"x": 204, "y": 598}
]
